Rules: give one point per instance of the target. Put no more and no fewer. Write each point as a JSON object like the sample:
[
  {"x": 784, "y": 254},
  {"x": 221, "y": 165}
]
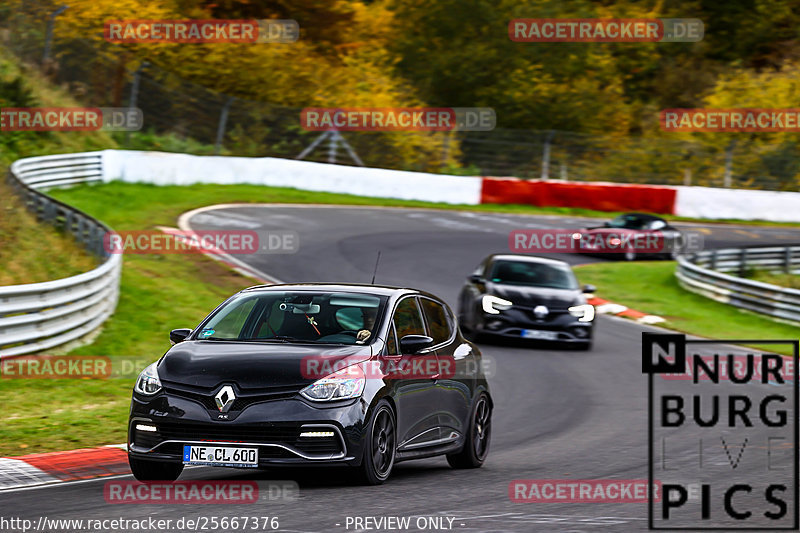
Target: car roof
[
  {"x": 362, "y": 288},
  {"x": 383, "y": 290},
  {"x": 525, "y": 259},
  {"x": 644, "y": 216}
]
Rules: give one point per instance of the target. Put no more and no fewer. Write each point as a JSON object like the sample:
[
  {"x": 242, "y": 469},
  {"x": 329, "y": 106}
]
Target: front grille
[
  {"x": 551, "y": 316},
  {"x": 285, "y": 434},
  {"x": 319, "y": 445},
  {"x": 146, "y": 439},
  {"x": 242, "y": 401},
  {"x": 229, "y": 432}
]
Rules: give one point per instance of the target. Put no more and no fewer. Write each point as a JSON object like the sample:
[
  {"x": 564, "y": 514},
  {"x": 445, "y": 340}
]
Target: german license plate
[
  {"x": 220, "y": 456},
  {"x": 539, "y": 334}
]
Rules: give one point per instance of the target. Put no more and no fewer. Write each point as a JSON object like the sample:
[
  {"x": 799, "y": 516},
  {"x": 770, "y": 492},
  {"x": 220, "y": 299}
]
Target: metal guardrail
[
  {"x": 705, "y": 273},
  {"x": 42, "y": 316}
]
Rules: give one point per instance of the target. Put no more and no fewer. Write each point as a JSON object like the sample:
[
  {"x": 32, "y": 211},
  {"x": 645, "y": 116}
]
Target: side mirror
[
  {"x": 413, "y": 344},
  {"x": 589, "y": 288},
  {"x": 606, "y": 224},
  {"x": 476, "y": 278},
  {"x": 179, "y": 335}
]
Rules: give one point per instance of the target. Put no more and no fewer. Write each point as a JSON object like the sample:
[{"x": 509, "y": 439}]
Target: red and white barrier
[
  {"x": 602, "y": 196},
  {"x": 698, "y": 202}
]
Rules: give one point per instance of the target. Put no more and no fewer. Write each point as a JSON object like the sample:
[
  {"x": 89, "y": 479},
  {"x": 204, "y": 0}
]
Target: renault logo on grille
[
  {"x": 540, "y": 311},
  {"x": 224, "y": 398}
]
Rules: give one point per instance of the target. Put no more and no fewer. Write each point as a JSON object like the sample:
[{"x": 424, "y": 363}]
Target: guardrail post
[
  {"x": 134, "y": 97},
  {"x": 48, "y": 32},
  {"x": 713, "y": 259},
  {"x": 728, "y": 176},
  {"x": 743, "y": 263},
  {"x": 787, "y": 260},
  {"x": 546, "y": 155},
  {"x": 223, "y": 121},
  {"x": 49, "y": 212}
]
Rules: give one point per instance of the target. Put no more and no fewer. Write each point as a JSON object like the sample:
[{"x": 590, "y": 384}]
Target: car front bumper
[
  {"x": 512, "y": 323},
  {"x": 273, "y": 427}
]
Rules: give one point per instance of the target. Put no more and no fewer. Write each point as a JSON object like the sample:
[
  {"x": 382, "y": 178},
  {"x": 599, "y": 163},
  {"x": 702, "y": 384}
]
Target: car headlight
[
  {"x": 341, "y": 385},
  {"x": 148, "y": 383},
  {"x": 493, "y": 305},
  {"x": 584, "y": 312}
]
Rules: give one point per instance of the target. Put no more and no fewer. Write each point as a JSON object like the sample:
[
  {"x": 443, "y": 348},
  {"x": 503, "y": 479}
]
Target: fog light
[
  {"x": 317, "y": 434},
  {"x": 494, "y": 324},
  {"x": 581, "y": 333},
  {"x": 145, "y": 427}
]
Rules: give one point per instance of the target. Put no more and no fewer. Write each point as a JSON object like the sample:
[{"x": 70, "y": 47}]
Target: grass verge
[
  {"x": 30, "y": 251},
  {"x": 791, "y": 281},
  {"x": 651, "y": 287}
]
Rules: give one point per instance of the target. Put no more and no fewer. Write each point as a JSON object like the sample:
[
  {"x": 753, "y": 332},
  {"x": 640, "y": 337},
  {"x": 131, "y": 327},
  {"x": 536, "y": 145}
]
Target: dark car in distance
[
  {"x": 313, "y": 374},
  {"x": 526, "y": 297},
  {"x": 631, "y": 236}
]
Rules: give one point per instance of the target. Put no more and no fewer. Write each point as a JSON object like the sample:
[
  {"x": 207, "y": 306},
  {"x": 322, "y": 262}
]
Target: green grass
[
  {"x": 775, "y": 278},
  {"x": 50, "y": 415},
  {"x": 651, "y": 287}
]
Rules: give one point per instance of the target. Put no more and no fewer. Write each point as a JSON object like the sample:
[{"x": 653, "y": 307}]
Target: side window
[
  {"x": 438, "y": 323},
  {"x": 407, "y": 320},
  {"x": 391, "y": 342}
]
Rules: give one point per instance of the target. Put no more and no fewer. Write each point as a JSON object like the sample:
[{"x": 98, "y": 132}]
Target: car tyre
[
  {"x": 380, "y": 446},
  {"x": 154, "y": 470},
  {"x": 476, "y": 445},
  {"x": 630, "y": 255}
]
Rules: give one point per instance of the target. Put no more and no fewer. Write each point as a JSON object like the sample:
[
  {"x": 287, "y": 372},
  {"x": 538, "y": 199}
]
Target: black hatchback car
[
  {"x": 526, "y": 297},
  {"x": 313, "y": 374},
  {"x": 631, "y": 236}
]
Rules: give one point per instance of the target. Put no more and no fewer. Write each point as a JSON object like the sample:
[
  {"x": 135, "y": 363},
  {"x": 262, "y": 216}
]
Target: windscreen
[
  {"x": 553, "y": 276},
  {"x": 317, "y": 317}
]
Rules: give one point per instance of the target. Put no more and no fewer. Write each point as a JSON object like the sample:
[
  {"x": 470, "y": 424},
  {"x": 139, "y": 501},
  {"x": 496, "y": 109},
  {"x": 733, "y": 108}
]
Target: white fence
[
  {"x": 704, "y": 273},
  {"x": 42, "y": 316}
]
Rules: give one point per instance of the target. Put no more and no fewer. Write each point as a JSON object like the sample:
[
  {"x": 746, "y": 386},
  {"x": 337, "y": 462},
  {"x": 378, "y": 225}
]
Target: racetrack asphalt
[{"x": 558, "y": 414}]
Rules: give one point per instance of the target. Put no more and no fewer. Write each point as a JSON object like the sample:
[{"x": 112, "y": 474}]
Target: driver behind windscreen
[{"x": 369, "y": 314}]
